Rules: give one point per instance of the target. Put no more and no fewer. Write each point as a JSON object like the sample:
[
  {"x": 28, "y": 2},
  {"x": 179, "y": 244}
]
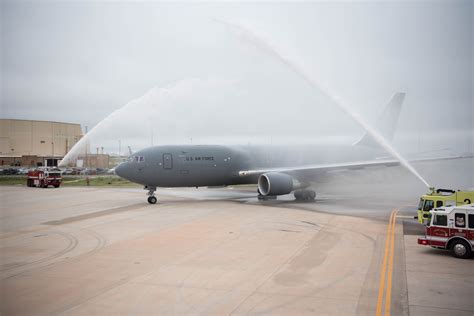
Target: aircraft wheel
[
  {"x": 461, "y": 249},
  {"x": 298, "y": 195},
  {"x": 152, "y": 200},
  {"x": 305, "y": 195},
  {"x": 267, "y": 197}
]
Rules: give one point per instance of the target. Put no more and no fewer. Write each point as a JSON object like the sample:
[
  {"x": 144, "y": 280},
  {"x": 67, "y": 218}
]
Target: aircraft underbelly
[{"x": 192, "y": 178}]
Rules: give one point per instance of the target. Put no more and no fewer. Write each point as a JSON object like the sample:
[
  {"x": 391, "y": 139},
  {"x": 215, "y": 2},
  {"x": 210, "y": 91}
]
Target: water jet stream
[
  {"x": 264, "y": 45},
  {"x": 81, "y": 146},
  {"x": 145, "y": 115}
]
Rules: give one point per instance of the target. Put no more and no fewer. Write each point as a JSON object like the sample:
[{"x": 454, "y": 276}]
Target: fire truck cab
[
  {"x": 44, "y": 177},
  {"x": 442, "y": 197},
  {"x": 451, "y": 228}
]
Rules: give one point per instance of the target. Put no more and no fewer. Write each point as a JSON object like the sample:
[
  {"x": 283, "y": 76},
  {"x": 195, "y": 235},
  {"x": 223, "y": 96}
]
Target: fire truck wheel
[
  {"x": 460, "y": 249},
  {"x": 56, "y": 185}
]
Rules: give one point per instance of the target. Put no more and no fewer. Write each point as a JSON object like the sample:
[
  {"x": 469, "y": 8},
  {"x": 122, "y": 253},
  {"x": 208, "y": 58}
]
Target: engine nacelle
[{"x": 274, "y": 183}]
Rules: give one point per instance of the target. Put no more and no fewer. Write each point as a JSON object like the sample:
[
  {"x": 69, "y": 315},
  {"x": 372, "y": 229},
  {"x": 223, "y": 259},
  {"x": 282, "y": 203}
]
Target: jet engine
[{"x": 274, "y": 183}]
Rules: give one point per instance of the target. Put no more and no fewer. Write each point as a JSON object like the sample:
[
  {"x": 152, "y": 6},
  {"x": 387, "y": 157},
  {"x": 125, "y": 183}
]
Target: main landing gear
[
  {"x": 262, "y": 197},
  {"x": 300, "y": 195},
  {"x": 151, "y": 195},
  {"x": 305, "y": 195}
]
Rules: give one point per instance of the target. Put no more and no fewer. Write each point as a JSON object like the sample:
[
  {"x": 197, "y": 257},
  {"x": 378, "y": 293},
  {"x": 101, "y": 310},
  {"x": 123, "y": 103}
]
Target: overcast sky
[{"x": 79, "y": 62}]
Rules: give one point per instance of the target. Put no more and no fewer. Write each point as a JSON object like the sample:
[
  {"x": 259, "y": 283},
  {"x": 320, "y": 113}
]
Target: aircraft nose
[{"x": 122, "y": 170}]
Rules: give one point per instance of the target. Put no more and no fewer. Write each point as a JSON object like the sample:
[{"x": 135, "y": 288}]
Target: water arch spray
[{"x": 250, "y": 36}]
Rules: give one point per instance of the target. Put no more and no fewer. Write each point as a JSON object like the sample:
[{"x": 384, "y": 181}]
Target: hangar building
[{"x": 37, "y": 143}]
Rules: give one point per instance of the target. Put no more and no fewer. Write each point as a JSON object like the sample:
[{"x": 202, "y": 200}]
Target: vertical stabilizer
[{"x": 387, "y": 122}]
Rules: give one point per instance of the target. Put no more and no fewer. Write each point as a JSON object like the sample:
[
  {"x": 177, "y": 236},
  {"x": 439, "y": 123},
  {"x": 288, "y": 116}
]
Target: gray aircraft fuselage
[{"x": 216, "y": 165}]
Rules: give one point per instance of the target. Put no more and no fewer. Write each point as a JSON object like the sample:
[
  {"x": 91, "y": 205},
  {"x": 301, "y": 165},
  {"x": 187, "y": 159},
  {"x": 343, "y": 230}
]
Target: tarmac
[{"x": 88, "y": 250}]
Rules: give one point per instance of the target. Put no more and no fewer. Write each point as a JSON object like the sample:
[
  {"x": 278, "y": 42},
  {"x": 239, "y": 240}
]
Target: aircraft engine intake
[{"x": 274, "y": 183}]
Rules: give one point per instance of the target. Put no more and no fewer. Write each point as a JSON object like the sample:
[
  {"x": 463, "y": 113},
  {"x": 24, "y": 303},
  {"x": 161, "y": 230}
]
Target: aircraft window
[
  {"x": 137, "y": 159},
  {"x": 440, "y": 220},
  {"x": 460, "y": 220}
]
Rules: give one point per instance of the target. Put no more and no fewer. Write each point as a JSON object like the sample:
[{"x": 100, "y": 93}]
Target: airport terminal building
[{"x": 40, "y": 143}]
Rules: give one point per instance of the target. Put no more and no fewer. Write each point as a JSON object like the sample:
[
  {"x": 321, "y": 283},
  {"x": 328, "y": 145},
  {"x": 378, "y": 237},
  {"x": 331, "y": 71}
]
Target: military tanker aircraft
[{"x": 277, "y": 170}]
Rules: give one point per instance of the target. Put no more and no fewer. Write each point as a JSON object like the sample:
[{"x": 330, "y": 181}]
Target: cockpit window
[{"x": 137, "y": 159}]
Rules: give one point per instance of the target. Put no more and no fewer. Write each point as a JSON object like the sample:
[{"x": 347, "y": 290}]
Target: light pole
[{"x": 52, "y": 157}]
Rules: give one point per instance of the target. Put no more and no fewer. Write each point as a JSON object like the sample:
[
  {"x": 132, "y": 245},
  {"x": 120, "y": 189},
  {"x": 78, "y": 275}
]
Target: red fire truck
[
  {"x": 44, "y": 177},
  {"x": 452, "y": 228}
]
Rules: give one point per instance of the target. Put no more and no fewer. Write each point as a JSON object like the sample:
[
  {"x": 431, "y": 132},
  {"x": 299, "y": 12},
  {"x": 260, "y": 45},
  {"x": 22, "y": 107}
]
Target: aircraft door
[{"x": 167, "y": 161}]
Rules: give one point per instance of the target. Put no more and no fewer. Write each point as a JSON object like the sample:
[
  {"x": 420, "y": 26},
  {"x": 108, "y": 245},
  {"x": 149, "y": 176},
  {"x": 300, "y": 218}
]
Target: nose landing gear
[
  {"x": 152, "y": 199},
  {"x": 151, "y": 195}
]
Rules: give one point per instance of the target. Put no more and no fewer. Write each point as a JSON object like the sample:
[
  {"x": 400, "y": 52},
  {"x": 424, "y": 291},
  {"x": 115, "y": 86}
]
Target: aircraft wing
[{"x": 323, "y": 168}]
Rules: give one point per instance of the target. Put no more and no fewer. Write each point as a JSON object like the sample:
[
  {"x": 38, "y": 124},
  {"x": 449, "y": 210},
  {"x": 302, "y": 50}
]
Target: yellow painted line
[
  {"x": 387, "y": 265},
  {"x": 378, "y": 311},
  {"x": 388, "y": 294}
]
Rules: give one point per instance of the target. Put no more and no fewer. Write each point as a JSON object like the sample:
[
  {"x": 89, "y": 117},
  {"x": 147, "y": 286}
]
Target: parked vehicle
[
  {"x": 102, "y": 170},
  {"x": 44, "y": 177},
  {"x": 442, "y": 197},
  {"x": 68, "y": 171},
  {"x": 451, "y": 228},
  {"x": 9, "y": 171},
  {"x": 89, "y": 171},
  {"x": 23, "y": 171}
]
